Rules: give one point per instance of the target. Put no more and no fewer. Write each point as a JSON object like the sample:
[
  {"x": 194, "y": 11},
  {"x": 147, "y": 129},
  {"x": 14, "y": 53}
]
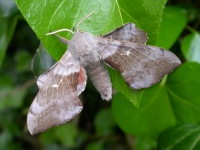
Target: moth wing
[
  {"x": 57, "y": 100},
  {"x": 82, "y": 79},
  {"x": 128, "y": 32},
  {"x": 140, "y": 65},
  {"x": 43, "y": 77}
]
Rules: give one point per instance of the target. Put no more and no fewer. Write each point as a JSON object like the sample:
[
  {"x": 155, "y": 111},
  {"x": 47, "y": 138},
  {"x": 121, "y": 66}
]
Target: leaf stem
[
  {"x": 191, "y": 29},
  {"x": 19, "y": 89},
  {"x": 164, "y": 80}
]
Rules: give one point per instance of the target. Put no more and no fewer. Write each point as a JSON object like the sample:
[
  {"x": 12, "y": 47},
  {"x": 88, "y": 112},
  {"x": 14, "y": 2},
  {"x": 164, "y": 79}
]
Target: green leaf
[
  {"x": 95, "y": 146},
  {"x": 7, "y": 117},
  {"x": 183, "y": 137},
  {"x": 54, "y": 146},
  {"x": 23, "y": 59},
  {"x": 5, "y": 139},
  {"x": 48, "y": 136},
  {"x": 182, "y": 87},
  {"x": 42, "y": 61},
  {"x": 8, "y": 20},
  {"x": 190, "y": 47},
  {"x": 118, "y": 83},
  {"x": 144, "y": 143},
  {"x": 7, "y": 27},
  {"x": 146, "y": 119},
  {"x": 5, "y": 81},
  {"x": 8, "y": 8},
  {"x": 104, "y": 122},
  {"x": 8, "y": 94},
  {"x": 108, "y": 15},
  {"x": 173, "y": 22},
  {"x": 67, "y": 134},
  {"x": 163, "y": 105}
]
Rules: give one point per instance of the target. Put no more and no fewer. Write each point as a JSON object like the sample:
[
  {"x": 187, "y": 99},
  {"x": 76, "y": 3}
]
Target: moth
[{"x": 124, "y": 49}]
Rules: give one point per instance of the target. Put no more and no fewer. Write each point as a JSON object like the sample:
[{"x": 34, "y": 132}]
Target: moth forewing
[
  {"x": 129, "y": 33},
  {"x": 141, "y": 65},
  {"x": 43, "y": 77},
  {"x": 57, "y": 100}
]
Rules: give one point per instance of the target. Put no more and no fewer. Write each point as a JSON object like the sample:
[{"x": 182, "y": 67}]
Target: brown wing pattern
[
  {"x": 57, "y": 100},
  {"x": 140, "y": 65},
  {"x": 43, "y": 77},
  {"x": 128, "y": 32}
]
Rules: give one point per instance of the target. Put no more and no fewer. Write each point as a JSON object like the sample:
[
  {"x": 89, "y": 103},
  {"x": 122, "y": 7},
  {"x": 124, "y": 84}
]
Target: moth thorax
[{"x": 85, "y": 50}]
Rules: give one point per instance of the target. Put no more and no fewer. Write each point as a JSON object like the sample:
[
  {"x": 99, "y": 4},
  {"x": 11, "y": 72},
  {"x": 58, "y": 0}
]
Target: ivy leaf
[
  {"x": 8, "y": 19},
  {"x": 42, "y": 61},
  {"x": 8, "y": 94},
  {"x": 163, "y": 105},
  {"x": 67, "y": 129},
  {"x": 185, "y": 137},
  {"x": 95, "y": 145},
  {"x": 190, "y": 47},
  {"x": 23, "y": 59},
  {"x": 173, "y": 23},
  {"x": 60, "y": 133},
  {"x": 104, "y": 122},
  {"x": 146, "y": 119},
  {"x": 118, "y": 83}
]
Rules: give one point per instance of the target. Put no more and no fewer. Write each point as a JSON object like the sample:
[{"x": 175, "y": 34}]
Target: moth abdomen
[{"x": 100, "y": 78}]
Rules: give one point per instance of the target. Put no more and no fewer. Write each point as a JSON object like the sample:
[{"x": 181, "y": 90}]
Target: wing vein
[
  {"x": 149, "y": 64},
  {"x": 69, "y": 90},
  {"x": 135, "y": 62},
  {"x": 149, "y": 57},
  {"x": 45, "y": 101},
  {"x": 122, "y": 66}
]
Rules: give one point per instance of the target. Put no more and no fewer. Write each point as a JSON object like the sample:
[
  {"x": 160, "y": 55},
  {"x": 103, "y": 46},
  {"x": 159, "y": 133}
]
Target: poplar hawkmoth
[{"x": 124, "y": 49}]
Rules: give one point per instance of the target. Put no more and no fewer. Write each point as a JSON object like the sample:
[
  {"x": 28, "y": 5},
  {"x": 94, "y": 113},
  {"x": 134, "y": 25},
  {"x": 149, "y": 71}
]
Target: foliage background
[{"x": 165, "y": 116}]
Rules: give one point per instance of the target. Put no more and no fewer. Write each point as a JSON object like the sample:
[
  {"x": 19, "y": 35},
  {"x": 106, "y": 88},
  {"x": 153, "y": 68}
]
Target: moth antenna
[
  {"x": 61, "y": 30},
  {"x": 84, "y": 19},
  {"x": 62, "y": 39}
]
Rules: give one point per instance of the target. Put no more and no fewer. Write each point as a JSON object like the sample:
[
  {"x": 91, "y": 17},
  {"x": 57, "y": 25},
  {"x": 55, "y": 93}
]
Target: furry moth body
[{"x": 123, "y": 49}]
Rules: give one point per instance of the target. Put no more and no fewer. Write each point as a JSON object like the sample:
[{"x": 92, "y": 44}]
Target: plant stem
[
  {"x": 18, "y": 89},
  {"x": 191, "y": 29},
  {"x": 164, "y": 80}
]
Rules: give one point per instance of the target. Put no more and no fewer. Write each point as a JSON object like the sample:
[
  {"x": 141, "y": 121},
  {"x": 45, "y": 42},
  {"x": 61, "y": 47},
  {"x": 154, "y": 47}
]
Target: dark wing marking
[
  {"x": 128, "y": 32},
  {"x": 57, "y": 100},
  {"x": 140, "y": 65}
]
